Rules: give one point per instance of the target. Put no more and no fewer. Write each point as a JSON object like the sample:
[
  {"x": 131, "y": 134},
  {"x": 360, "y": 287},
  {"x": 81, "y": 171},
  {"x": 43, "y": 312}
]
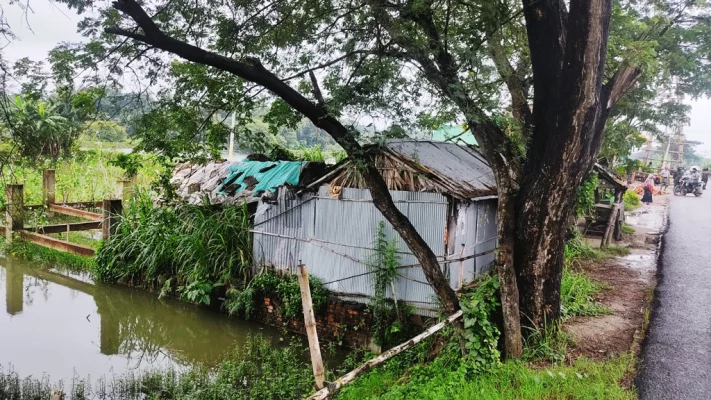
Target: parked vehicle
[{"x": 685, "y": 187}]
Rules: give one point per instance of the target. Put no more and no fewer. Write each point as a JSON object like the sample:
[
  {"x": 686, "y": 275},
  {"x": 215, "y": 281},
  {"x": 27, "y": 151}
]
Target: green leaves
[{"x": 481, "y": 333}]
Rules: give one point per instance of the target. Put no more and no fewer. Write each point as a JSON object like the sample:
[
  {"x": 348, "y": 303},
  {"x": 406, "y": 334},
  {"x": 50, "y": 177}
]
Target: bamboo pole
[
  {"x": 310, "y": 322},
  {"x": 334, "y": 387}
]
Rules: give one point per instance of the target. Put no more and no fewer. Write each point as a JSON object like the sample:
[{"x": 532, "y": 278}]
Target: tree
[{"x": 372, "y": 56}]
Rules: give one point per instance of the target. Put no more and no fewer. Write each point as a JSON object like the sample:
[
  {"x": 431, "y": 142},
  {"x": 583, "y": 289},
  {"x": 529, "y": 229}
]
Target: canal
[{"x": 63, "y": 325}]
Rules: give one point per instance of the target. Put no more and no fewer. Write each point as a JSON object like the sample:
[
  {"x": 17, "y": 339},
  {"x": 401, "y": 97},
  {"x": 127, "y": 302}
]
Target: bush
[
  {"x": 185, "y": 248},
  {"x": 284, "y": 287},
  {"x": 632, "y": 200}
]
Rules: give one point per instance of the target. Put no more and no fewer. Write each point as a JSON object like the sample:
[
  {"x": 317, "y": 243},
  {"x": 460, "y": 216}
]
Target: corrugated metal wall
[{"x": 334, "y": 239}]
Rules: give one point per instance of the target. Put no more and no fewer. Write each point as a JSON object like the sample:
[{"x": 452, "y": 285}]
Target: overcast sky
[{"x": 50, "y": 24}]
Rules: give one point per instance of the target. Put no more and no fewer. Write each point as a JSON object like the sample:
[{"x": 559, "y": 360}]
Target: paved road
[{"x": 676, "y": 357}]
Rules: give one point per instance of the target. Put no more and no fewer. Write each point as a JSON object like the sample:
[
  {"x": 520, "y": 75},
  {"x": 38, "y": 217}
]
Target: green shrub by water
[
  {"x": 285, "y": 287},
  {"x": 188, "y": 249}
]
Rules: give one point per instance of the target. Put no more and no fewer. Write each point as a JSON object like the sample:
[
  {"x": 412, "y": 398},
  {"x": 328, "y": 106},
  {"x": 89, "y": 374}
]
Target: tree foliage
[{"x": 422, "y": 61}]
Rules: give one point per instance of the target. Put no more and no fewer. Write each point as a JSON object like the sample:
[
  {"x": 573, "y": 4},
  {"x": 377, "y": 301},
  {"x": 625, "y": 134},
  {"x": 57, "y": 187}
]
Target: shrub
[
  {"x": 284, "y": 287},
  {"x": 186, "y": 248},
  {"x": 632, "y": 200}
]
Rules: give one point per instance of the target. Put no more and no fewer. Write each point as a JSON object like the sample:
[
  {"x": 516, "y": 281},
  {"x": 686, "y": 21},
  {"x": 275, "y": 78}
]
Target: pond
[{"x": 64, "y": 325}]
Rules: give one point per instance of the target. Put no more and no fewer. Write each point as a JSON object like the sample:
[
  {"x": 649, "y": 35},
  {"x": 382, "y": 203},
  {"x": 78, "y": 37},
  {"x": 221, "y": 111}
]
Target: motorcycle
[{"x": 685, "y": 187}]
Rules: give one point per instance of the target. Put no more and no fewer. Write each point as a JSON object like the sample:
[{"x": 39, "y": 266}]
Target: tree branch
[
  {"x": 624, "y": 79},
  {"x": 253, "y": 71}
]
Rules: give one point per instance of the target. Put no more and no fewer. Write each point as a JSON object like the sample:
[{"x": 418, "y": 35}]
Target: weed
[
  {"x": 50, "y": 258},
  {"x": 627, "y": 229},
  {"x": 384, "y": 265},
  {"x": 284, "y": 287},
  {"x": 577, "y": 295},
  {"x": 191, "y": 245},
  {"x": 481, "y": 332}
]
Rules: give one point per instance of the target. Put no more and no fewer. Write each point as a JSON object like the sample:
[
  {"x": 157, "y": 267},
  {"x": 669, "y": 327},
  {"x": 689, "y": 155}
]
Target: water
[{"x": 63, "y": 326}]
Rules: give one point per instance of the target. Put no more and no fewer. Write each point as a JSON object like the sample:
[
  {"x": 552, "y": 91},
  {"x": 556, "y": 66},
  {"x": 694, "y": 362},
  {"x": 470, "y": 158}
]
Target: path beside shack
[{"x": 629, "y": 282}]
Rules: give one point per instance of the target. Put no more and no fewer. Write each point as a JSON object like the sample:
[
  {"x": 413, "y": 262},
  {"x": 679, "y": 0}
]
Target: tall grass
[
  {"x": 186, "y": 248},
  {"x": 257, "y": 371},
  {"x": 85, "y": 176}
]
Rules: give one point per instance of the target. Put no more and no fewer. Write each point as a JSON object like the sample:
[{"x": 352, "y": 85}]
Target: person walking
[
  {"x": 648, "y": 190},
  {"x": 705, "y": 176},
  {"x": 665, "y": 173}
]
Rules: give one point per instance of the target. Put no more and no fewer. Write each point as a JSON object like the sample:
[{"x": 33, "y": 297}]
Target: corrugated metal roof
[
  {"x": 423, "y": 166},
  {"x": 466, "y": 169}
]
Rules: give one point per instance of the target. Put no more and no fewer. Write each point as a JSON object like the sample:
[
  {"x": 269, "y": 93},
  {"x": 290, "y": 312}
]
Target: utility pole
[{"x": 230, "y": 154}]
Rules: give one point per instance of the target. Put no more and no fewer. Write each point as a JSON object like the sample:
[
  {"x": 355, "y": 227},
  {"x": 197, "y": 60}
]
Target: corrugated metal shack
[{"x": 447, "y": 191}]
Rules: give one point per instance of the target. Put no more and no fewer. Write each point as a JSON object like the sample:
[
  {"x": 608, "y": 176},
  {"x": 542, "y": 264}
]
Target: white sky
[{"x": 50, "y": 24}]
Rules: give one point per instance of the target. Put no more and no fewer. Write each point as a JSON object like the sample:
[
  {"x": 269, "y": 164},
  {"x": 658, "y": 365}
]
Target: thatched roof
[{"x": 422, "y": 166}]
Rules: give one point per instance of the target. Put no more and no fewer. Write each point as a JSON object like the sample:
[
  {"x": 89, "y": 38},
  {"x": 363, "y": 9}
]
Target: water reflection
[{"x": 57, "y": 324}]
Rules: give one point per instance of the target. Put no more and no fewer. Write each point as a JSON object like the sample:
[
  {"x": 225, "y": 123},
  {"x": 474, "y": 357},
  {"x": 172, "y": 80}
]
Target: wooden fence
[{"x": 104, "y": 221}]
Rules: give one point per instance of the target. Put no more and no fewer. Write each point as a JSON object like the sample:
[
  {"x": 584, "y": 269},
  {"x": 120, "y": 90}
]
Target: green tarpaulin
[{"x": 269, "y": 176}]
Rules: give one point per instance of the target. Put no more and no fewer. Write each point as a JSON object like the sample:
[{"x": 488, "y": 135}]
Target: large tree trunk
[{"x": 541, "y": 223}]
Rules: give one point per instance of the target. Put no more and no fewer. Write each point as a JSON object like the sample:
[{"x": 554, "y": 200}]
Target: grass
[
  {"x": 627, "y": 229},
  {"x": 50, "y": 258},
  {"x": 84, "y": 238},
  {"x": 257, "y": 371},
  {"x": 187, "y": 249},
  {"x": 584, "y": 379},
  {"x": 578, "y": 293},
  {"x": 86, "y": 176},
  {"x": 613, "y": 251}
]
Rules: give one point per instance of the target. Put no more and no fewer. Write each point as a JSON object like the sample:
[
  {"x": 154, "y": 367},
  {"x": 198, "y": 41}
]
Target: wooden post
[
  {"x": 112, "y": 209},
  {"x": 610, "y": 225},
  {"x": 127, "y": 189},
  {"x": 460, "y": 282},
  {"x": 310, "y": 322},
  {"x": 15, "y": 210},
  {"x": 48, "y": 186}
]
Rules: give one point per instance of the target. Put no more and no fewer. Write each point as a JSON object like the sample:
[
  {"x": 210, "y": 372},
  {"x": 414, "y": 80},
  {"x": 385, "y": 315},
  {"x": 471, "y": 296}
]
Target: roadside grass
[
  {"x": 584, "y": 379},
  {"x": 578, "y": 293},
  {"x": 46, "y": 257},
  {"x": 627, "y": 229},
  {"x": 632, "y": 200}
]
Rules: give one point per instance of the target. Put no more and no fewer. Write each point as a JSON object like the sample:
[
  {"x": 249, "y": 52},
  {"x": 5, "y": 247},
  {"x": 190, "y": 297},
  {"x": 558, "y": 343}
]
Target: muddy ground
[{"x": 629, "y": 283}]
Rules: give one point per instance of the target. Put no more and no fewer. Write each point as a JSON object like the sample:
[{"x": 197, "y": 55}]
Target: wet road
[{"x": 676, "y": 358}]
